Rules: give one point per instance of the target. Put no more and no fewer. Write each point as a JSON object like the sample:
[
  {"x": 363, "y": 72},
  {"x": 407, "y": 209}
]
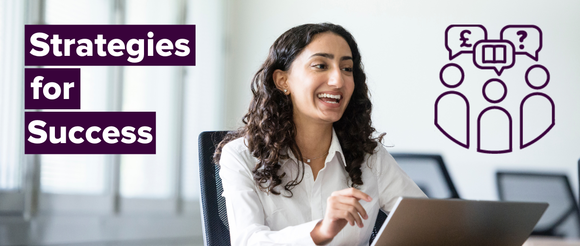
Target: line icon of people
[
  {"x": 494, "y": 123},
  {"x": 452, "y": 107},
  {"x": 536, "y": 107}
]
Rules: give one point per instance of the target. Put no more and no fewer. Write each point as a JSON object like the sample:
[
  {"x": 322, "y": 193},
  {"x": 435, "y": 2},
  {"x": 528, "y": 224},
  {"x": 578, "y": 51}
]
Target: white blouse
[{"x": 259, "y": 218}]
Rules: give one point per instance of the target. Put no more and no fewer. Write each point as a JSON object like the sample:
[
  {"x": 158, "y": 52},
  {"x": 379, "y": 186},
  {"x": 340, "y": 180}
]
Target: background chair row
[
  {"x": 562, "y": 218},
  {"x": 429, "y": 172}
]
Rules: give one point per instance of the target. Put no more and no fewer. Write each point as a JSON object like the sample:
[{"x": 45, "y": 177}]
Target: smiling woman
[{"x": 306, "y": 164}]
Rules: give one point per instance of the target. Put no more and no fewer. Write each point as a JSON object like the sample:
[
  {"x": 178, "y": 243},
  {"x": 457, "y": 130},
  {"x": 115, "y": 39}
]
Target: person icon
[
  {"x": 494, "y": 123},
  {"x": 452, "y": 105},
  {"x": 537, "y": 110}
]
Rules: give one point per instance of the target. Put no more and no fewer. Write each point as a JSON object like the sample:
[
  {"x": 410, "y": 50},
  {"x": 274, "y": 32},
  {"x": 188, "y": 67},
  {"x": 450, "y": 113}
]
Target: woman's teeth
[{"x": 334, "y": 98}]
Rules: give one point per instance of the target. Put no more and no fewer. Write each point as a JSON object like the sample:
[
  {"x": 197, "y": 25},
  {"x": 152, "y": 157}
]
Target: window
[
  {"x": 11, "y": 74},
  {"x": 111, "y": 195}
]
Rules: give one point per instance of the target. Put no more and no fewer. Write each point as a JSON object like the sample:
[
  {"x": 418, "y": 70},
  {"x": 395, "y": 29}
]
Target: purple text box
[
  {"x": 57, "y": 84},
  {"x": 109, "y": 45},
  {"x": 89, "y": 133}
]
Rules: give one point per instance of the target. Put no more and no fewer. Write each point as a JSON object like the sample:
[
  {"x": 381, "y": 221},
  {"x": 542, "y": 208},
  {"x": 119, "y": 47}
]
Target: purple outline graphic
[
  {"x": 479, "y": 132},
  {"x": 547, "y": 77},
  {"x": 498, "y": 72},
  {"x": 451, "y": 56},
  {"x": 522, "y": 144},
  {"x": 536, "y": 58},
  {"x": 466, "y": 38},
  {"x": 494, "y": 58},
  {"x": 523, "y": 35},
  {"x": 466, "y": 144},
  {"x": 444, "y": 68},
  {"x": 485, "y": 94}
]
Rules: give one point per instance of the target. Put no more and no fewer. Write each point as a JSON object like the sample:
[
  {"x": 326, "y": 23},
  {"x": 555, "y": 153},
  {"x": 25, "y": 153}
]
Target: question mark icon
[{"x": 523, "y": 35}]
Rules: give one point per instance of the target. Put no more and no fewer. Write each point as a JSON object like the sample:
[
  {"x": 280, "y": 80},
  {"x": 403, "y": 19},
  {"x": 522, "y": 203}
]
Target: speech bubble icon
[
  {"x": 461, "y": 38},
  {"x": 494, "y": 54},
  {"x": 527, "y": 39}
]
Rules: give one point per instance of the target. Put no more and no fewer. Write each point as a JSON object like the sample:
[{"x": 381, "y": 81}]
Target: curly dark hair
[{"x": 269, "y": 128}]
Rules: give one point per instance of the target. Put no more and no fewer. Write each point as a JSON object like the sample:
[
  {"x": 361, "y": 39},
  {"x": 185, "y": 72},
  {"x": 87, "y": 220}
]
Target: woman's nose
[{"x": 335, "y": 78}]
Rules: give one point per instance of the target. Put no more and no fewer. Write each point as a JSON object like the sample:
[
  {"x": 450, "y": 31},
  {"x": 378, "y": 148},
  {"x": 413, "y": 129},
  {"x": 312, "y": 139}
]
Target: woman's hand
[{"x": 342, "y": 207}]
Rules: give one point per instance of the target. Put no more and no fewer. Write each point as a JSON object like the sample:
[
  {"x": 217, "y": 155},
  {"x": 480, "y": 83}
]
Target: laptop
[{"x": 455, "y": 222}]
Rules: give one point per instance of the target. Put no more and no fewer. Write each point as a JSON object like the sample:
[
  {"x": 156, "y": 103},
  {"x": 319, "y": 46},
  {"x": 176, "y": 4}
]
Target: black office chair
[
  {"x": 216, "y": 230},
  {"x": 428, "y": 171},
  {"x": 562, "y": 218}
]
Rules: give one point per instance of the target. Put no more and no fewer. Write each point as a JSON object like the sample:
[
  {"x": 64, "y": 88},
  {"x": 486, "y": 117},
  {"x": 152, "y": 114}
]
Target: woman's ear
[{"x": 281, "y": 80}]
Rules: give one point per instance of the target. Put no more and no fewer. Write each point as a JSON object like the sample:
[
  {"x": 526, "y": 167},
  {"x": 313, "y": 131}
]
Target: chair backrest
[
  {"x": 561, "y": 218},
  {"x": 216, "y": 230},
  {"x": 428, "y": 171}
]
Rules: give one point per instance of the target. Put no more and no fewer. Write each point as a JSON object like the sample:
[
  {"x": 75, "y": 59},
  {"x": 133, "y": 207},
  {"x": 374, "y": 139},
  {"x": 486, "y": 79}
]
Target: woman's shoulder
[
  {"x": 237, "y": 145},
  {"x": 236, "y": 152},
  {"x": 380, "y": 160}
]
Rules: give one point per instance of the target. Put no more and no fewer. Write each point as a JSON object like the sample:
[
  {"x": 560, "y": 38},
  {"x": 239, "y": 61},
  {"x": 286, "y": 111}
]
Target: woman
[{"x": 305, "y": 163}]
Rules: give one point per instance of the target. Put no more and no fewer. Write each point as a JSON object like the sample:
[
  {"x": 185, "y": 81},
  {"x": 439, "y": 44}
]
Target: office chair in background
[
  {"x": 562, "y": 218},
  {"x": 428, "y": 171}
]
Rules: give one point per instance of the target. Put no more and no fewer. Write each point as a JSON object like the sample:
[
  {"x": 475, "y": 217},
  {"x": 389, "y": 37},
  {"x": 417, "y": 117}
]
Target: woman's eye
[
  {"x": 347, "y": 69},
  {"x": 320, "y": 66}
]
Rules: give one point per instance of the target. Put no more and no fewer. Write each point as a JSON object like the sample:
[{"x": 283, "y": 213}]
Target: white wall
[{"x": 402, "y": 45}]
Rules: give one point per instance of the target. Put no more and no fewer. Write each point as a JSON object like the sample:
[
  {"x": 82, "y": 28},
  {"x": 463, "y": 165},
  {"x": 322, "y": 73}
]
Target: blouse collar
[{"x": 333, "y": 150}]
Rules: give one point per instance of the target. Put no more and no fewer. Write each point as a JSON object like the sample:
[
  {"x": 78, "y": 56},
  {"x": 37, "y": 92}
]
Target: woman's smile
[{"x": 330, "y": 99}]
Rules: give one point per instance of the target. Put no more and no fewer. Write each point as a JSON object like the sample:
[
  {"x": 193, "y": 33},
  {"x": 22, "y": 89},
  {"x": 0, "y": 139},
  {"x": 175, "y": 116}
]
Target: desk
[{"x": 548, "y": 241}]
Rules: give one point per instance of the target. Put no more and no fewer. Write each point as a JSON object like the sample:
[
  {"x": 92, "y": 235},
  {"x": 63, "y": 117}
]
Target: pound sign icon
[{"x": 464, "y": 39}]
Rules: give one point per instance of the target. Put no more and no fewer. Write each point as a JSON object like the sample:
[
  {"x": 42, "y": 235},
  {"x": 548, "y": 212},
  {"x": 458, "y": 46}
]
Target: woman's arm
[{"x": 342, "y": 207}]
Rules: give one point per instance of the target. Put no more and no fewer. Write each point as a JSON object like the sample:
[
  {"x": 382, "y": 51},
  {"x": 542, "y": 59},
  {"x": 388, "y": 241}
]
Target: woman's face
[{"x": 320, "y": 79}]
